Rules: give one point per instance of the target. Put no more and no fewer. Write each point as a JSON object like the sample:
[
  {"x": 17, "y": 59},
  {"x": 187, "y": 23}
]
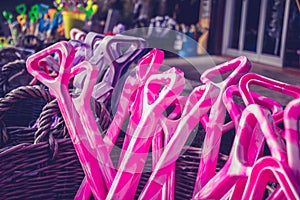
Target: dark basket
[
  {"x": 13, "y": 75},
  {"x": 186, "y": 168},
  {"x": 38, "y": 163},
  {"x": 42, "y": 163},
  {"x": 27, "y": 109},
  {"x": 9, "y": 54},
  {"x": 31, "y": 42}
]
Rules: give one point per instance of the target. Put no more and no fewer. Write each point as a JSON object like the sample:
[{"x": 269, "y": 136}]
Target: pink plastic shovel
[
  {"x": 268, "y": 167},
  {"x": 164, "y": 133},
  {"x": 291, "y": 118},
  {"x": 242, "y": 66},
  {"x": 271, "y": 84},
  {"x": 276, "y": 86},
  {"x": 158, "y": 93},
  {"x": 197, "y": 104},
  {"x": 147, "y": 66},
  {"x": 237, "y": 166},
  {"x": 271, "y": 169},
  {"x": 235, "y": 110},
  {"x": 59, "y": 88},
  {"x": 82, "y": 106},
  {"x": 101, "y": 91},
  {"x": 251, "y": 97},
  {"x": 208, "y": 162}
]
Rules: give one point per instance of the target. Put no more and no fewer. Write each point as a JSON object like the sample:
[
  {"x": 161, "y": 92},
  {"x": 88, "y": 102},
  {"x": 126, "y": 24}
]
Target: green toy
[
  {"x": 33, "y": 14},
  {"x": 21, "y": 9},
  {"x": 90, "y": 9},
  {"x": 8, "y": 16}
]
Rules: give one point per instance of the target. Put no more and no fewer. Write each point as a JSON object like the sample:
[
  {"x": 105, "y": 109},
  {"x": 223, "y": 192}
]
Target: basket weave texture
[
  {"x": 37, "y": 163},
  {"x": 41, "y": 163}
]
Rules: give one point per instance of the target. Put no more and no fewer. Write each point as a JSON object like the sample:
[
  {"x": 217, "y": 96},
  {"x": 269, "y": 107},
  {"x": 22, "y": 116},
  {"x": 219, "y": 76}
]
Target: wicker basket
[
  {"x": 31, "y": 42},
  {"x": 12, "y": 69},
  {"x": 13, "y": 75},
  {"x": 27, "y": 109},
  {"x": 42, "y": 163},
  {"x": 38, "y": 163},
  {"x": 9, "y": 54}
]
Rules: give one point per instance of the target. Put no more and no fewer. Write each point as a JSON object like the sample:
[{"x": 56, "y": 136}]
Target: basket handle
[
  {"x": 32, "y": 42},
  {"x": 20, "y": 93},
  {"x": 51, "y": 109},
  {"x": 8, "y": 54},
  {"x": 16, "y": 95},
  {"x": 16, "y": 53},
  {"x": 13, "y": 66},
  {"x": 11, "y": 72},
  {"x": 45, "y": 132}
]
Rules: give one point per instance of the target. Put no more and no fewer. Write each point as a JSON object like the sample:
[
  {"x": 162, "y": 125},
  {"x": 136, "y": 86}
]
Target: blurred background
[{"x": 266, "y": 31}]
